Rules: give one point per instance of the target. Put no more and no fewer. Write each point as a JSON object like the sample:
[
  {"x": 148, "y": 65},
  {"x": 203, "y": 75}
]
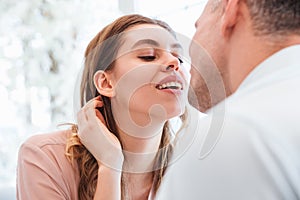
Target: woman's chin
[{"x": 175, "y": 113}]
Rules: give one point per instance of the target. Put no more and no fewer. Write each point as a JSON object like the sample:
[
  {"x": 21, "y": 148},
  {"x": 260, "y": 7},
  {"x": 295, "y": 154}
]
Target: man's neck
[{"x": 248, "y": 55}]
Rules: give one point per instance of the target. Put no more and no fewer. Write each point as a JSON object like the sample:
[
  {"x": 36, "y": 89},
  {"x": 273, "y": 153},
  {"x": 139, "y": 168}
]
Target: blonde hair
[{"x": 100, "y": 55}]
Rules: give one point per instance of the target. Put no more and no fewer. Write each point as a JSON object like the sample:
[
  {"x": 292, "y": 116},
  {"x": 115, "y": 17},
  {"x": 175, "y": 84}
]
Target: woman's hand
[{"x": 95, "y": 136}]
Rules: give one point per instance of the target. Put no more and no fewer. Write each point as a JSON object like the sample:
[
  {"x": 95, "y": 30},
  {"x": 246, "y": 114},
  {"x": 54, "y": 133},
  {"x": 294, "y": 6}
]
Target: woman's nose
[{"x": 172, "y": 63}]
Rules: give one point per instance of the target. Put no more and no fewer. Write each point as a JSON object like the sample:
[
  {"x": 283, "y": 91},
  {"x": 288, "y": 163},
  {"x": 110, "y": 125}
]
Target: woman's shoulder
[
  {"x": 46, "y": 149},
  {"x": 43, "y": 155},
  {"x": 51, "y": 138}
]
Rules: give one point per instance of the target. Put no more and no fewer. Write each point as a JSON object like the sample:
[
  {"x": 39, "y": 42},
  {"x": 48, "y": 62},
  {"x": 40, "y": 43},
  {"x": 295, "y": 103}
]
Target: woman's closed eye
[{"x": 147, "y": 58}]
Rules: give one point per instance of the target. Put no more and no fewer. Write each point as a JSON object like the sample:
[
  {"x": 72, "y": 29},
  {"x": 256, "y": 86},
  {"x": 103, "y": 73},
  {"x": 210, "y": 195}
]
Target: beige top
[{"x": 43, "y": 170}]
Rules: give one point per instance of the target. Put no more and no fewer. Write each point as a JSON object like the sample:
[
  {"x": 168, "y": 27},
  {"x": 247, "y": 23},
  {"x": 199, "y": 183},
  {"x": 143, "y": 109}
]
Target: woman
[{"x": 133, "y": 82}]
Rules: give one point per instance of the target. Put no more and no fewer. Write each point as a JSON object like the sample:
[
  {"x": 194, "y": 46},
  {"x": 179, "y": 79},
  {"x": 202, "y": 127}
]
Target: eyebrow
[{"x": 154, "y": 43}]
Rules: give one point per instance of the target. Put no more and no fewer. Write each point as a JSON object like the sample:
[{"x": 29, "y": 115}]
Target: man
[{"x": 248, "y": 146}]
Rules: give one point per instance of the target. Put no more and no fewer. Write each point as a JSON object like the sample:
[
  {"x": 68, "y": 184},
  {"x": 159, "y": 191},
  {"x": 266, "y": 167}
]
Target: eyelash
[
  {"x": 151, "y": 58},
  {"x": 180, "y": 60},
  {"x": 147, "y": 58}
]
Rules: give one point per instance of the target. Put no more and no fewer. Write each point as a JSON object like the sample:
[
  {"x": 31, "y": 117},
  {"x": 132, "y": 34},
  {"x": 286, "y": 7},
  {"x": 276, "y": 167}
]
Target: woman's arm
[
  {"x": 105, "y": 147},
  {"x": 38, "y": 176},
  {"x": 108, "y": 184}
]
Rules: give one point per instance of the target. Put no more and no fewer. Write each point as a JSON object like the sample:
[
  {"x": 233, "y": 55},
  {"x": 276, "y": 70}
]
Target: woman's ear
[{"x": 103, "y": 83}]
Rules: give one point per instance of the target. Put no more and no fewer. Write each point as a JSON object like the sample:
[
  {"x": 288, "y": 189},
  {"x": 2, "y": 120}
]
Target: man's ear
[
  {"x": 103, "y": 83},
  {"x": 230, "y": 16}
]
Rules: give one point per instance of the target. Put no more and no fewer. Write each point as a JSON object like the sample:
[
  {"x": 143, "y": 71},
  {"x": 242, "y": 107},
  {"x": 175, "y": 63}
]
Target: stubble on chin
[
  {"x": 198, "y": 94},
  {"x": 207, "y": 89},
  {"x": 208, "y": 84}
]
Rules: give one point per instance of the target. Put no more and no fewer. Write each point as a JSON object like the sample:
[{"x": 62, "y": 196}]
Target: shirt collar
[{"x": 283, "y": 63}]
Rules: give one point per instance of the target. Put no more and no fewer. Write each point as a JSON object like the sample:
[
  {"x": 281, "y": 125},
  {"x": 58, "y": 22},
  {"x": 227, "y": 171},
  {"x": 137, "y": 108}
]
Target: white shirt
[{"x": 248, "y": 147}]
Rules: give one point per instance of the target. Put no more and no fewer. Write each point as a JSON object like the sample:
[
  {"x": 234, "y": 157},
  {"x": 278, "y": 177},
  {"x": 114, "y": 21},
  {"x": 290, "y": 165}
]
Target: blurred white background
[{"x": 41, "y": 52}]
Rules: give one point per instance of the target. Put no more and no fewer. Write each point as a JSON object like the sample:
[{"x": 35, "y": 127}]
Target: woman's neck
[
  {"x": 140, "y": 142},
  {"x": 140, "y": 152},
  {"x": 140, "y": 185}
]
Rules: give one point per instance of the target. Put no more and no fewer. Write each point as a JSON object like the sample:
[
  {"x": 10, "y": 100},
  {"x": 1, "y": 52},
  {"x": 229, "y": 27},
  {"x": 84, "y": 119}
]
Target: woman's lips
[{"x": 170, "y": 82}]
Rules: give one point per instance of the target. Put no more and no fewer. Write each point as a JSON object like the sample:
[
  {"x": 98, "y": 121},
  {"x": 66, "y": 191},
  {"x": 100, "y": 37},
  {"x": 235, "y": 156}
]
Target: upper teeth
[{"x": 176, "y": 85}]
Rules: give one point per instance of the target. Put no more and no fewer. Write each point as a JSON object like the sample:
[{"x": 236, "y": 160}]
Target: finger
[
  {"x": 81, "y": 120},
  {"x": 93, "y": 115},
  {"x": 93, "y": 105},
  {"x": 100, "y": 116},
  {"x": 89, "y": 116},
  {"x": 97, "y": 98},
  {"x": 81, "y": 116},
  {"x": 98, "y": 103}
]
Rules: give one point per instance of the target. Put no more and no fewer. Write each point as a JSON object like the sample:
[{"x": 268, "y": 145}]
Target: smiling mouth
[{"x": 170, "y": 85}]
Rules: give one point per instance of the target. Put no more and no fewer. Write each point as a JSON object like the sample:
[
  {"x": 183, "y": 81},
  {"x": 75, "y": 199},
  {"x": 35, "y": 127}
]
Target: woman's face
[{"x": 149, "y": 79}]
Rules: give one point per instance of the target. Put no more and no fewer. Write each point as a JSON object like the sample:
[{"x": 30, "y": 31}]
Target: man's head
[
  {"x": 275, "y": 18},
  {"x": 232, "y": 37}
]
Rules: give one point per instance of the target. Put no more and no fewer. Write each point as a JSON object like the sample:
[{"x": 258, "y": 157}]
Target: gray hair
[{"x": 275, "y": 17}]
